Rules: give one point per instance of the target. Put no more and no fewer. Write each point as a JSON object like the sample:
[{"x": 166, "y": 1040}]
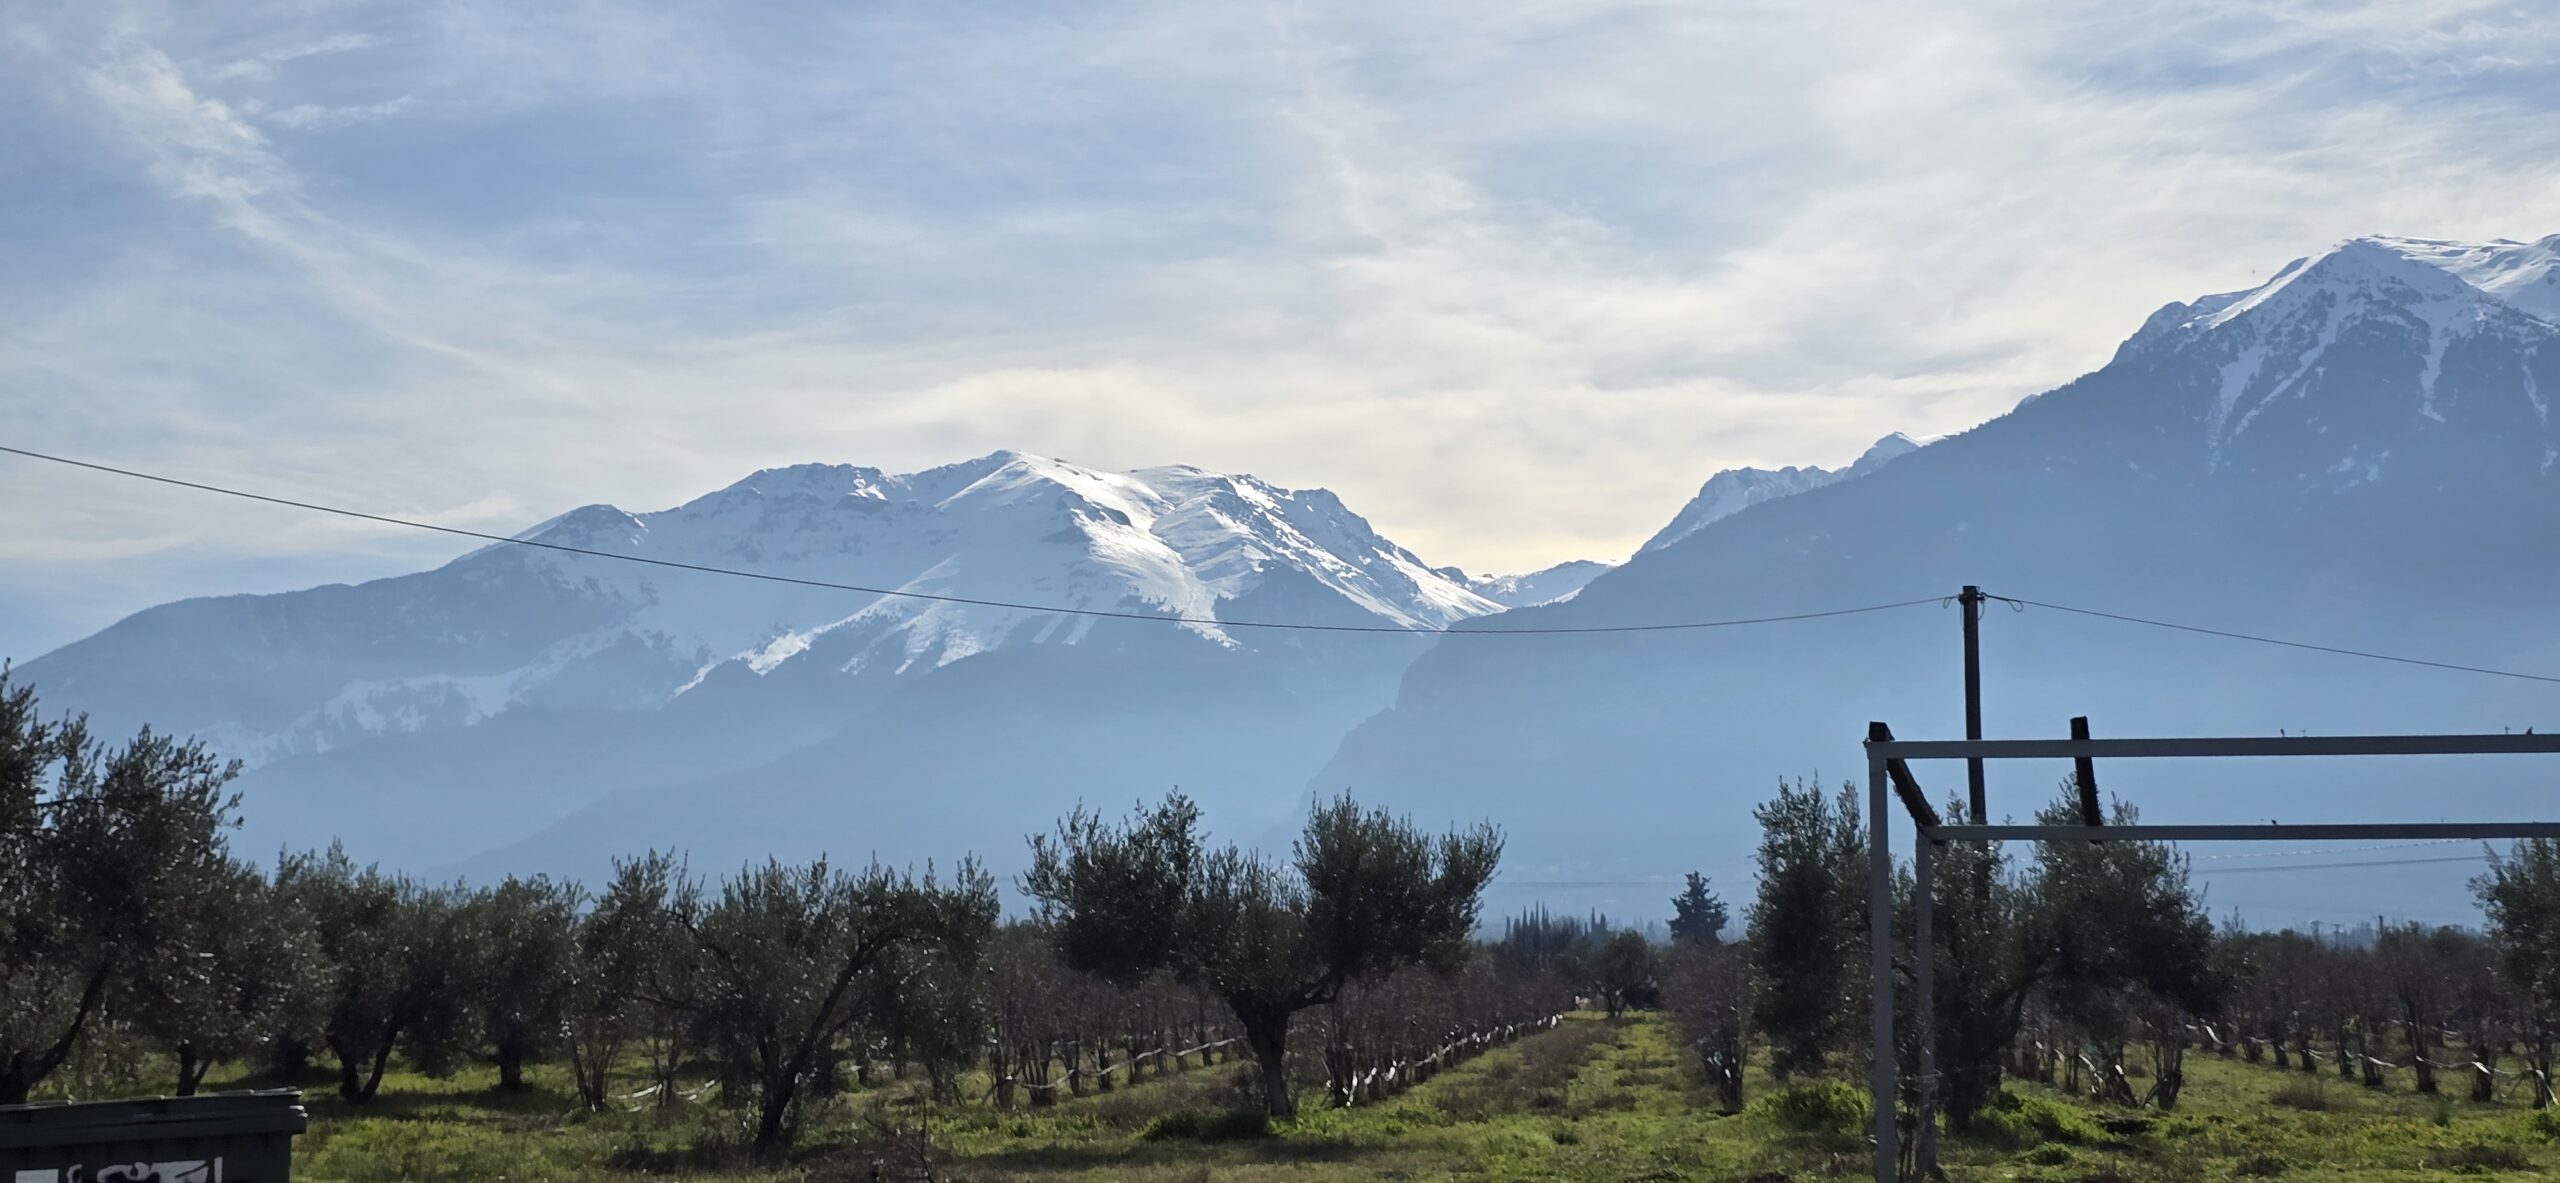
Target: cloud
[
  {"x": 263, "y": 65},
  {"x": 313, "y": 117},
  {"x": 1513, "y": 280}
]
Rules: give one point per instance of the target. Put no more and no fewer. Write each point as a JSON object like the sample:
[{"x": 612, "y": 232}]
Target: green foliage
[
  {"x": 788, "y": 959},
  {"x": 1805, "y": 923},
  {"x": 521, "y": 940},
  {"x": 400, "y": 963},
  {"x": 624, "y": 959},
  {"x": 1827, "y": 1107},
  {"x": 2120, "y": 918},
  {"x": 1366, "y": 894},
  {"x": 112, "y": 861},
  {"x": 1698, "y": 916},
  {"x": 250, "y": 971},
  {"x": 2017, "y": 1119},
  {"x": 1623, "y": 968},
  {"x": 2520, "y": 893}
]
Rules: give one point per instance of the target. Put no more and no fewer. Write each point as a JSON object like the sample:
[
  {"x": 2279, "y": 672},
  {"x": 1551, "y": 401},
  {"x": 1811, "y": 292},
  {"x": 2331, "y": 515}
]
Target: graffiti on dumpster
[{"x": 189, "y": 1170}]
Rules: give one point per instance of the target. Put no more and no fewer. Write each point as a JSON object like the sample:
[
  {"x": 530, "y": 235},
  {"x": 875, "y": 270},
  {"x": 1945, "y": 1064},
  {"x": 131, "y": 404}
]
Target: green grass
[{"x": 1589, "y": 1101}]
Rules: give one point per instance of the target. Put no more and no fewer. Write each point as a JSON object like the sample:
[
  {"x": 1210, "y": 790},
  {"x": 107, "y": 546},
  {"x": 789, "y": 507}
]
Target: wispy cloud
[
  {"x": 265, "y": 62},
  {"x": 1513, "y": 279},
  {"x": 314, "y": 117}
]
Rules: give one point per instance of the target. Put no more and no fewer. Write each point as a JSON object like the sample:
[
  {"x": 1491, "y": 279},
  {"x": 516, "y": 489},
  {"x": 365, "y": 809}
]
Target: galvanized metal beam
[
  {"x": 2250, "y": 833},
  {"x": 2262, "y": 745}
]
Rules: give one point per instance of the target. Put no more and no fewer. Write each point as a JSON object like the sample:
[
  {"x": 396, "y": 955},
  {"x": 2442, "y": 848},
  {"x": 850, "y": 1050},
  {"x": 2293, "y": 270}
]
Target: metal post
[
  {"x": 1880, "y": 1074},
  {"x": 1924, "y": 1005}
]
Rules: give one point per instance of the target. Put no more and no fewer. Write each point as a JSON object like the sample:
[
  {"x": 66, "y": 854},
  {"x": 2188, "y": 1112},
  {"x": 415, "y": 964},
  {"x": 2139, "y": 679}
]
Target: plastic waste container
[{"x": 243, "y": 1137}]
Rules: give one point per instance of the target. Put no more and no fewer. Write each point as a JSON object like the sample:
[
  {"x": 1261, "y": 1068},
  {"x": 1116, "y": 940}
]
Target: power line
[
  {"x": 2215, "y": 632},
  {"x": 2332, "y": 850},
  {"x": 2387, "y": 862},
  {"x": 1051, "y": 609}
]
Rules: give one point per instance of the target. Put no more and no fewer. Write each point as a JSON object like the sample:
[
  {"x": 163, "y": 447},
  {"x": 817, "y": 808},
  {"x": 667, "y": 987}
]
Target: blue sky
[{"x": 1512, "y": 278}]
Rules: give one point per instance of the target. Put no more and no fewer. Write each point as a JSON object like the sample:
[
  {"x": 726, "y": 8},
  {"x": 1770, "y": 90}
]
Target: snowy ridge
[
  {"x": 2270, "y": 344},
  {"x": 1529, "y": 589},
  {"x": 579, "y": 631},
  {"x": 1736, "y": 489},
  {"x": 1174, "y": 541}
]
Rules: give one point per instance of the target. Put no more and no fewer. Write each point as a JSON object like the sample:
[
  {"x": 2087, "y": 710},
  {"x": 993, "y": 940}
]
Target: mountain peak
[
  {"x": 1736, "y": 489},
  {"x": 2449, "y": 287},
  {"x": 1560, "y": 582}
]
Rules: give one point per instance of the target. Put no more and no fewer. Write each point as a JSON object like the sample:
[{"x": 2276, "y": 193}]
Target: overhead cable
[{"x": 972, "y": 601}]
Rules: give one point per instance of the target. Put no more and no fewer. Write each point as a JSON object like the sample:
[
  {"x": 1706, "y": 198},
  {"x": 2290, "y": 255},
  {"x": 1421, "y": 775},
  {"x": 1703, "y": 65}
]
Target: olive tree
[
  {"x": 786, "y": 961},
  {"x": 398, "y": 958},
  {"x": 1365, "y": 894},
  {"x": 247, "y": 968},
  {"x": 521, "y": 940},
  {"x": 105, "y": 855},
  {"x": 1622, "y": 970},
  {"x": 621, "y": 953}
]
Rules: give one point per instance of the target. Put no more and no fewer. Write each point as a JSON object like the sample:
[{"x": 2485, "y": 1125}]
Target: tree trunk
[
  {"x": 774, "y": 1107},
  {"x": 1268, "y": 1035},
  {"x": 510, "y": 1067},
  {"x": 190, "y": 1070},
  {"x": 288, "y": 1058},
  {"x": 381, "y": 1062}
]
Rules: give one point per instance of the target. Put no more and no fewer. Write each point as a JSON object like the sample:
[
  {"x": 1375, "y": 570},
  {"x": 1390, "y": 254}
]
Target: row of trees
[
  {"x": 2086, "y": 944},
  {"x": 128, "y": 921},
  {"x": 2060, "y": 965}
]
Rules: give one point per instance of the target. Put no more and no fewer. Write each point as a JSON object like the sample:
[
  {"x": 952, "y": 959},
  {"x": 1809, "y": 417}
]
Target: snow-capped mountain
[
  {"x": 609, "y": 673},
  {"x": 2356, "y": 452},
  {"x": 516, "y": 626},
  {"x": 2318, "y": 370},
  {"x": 1562, "y": 581},
  {"x": 1736, "y": 489}
]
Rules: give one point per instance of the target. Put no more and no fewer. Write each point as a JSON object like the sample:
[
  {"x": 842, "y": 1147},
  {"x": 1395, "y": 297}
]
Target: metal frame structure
[{"x": 1885, "y": 757}]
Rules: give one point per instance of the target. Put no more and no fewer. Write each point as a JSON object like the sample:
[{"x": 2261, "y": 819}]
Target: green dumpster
[{"x": 244, "y": 1137}]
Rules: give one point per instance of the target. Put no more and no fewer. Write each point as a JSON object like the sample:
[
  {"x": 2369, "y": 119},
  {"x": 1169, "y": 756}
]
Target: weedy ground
[{"x": 1591, "y": 1101}]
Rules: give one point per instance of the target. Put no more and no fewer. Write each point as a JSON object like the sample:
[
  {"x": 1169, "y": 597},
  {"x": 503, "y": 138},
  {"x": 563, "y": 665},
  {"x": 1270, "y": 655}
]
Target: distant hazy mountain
[
  {"x": 431, "y": 716},
  {"x": 1536, "y": 587},
  {"x": 1736, "y": 489},
  {"x": 2357, "y": 452}
]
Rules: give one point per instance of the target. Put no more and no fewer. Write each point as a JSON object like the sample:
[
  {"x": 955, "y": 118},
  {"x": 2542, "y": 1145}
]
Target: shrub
[
  {"x": 2014, "y": 1120},
  {"x": 1830, "y": 1107}
]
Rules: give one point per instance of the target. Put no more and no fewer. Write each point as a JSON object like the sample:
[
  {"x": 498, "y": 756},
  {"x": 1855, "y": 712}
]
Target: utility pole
[{"x": 1971, "y": 600}]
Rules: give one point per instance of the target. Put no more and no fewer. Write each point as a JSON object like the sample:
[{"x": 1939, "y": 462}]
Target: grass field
[{"x": 1590, "y": 1100}]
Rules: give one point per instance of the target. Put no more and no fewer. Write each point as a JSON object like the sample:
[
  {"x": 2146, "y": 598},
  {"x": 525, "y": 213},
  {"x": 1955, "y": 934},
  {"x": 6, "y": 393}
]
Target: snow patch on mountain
[
  {"x": 2523, "y": 274},
  {"x": 1551, "y": 585},
  {"x": 1736, "y": 489},
  {"x": 507, "y": 625}
]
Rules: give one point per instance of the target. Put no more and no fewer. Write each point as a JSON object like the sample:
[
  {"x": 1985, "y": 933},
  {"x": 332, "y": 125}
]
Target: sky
[{"x": 1512, "y": 278}]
